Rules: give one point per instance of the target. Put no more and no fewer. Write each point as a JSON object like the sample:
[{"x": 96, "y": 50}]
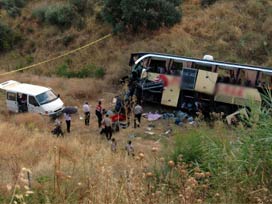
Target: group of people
[
  {"x": 87, "y": 114},
  {"x": 104, "y": 123}
]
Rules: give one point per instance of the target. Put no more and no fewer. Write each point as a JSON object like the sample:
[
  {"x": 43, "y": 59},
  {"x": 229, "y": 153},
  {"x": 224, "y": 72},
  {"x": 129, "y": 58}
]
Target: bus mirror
[{"x": 144, "y": 74}]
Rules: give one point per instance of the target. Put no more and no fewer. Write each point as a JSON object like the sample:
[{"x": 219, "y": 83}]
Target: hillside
[
  {"x": 230, "y": 31},
  {"x": 201, "y": 163}
]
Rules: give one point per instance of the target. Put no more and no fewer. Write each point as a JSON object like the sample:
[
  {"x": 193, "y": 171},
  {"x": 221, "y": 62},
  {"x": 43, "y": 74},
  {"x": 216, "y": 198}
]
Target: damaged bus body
[{"x": 193, "y": 84}]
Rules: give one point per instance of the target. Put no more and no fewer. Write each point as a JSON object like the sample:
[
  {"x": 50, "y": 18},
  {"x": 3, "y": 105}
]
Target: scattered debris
[
  {"x": 131, "y": 136},
  {"x": 152, "y": 116},
  {"x": 149, "y": 133},
  {"x": 167, "y": 132},
  {"x": 151, "y": 125},
  {"x": 234, "y": 118}
]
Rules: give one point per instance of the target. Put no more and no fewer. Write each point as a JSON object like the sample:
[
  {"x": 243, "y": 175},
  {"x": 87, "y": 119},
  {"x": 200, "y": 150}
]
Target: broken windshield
[{"x": 46, "y": 97}]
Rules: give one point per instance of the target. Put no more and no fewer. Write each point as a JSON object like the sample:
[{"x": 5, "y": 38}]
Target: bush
[
  {"x": 61, "y": 15},
  {"x": 13, "y": 7},
  {"x": 39, "y": 14},
  {"x": 189, "y": 146},
  {"x": 87, "y": 71},
  {"x": 83, "y": 6},
  {"x": 133, "y": 15},
  {"x": 8, "y": 38}
]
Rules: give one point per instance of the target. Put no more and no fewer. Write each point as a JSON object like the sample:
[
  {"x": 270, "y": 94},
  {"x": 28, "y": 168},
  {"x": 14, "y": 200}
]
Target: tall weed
[{"x": 240, "y": 159}]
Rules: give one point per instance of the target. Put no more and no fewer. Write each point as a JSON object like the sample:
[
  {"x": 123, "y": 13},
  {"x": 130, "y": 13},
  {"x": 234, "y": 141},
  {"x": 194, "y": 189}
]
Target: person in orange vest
[{"x": 98, "y": 113}]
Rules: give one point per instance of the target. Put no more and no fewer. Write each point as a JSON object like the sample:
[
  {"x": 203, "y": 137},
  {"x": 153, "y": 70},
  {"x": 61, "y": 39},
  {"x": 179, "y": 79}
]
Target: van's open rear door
[
  {"x": 8, "y": 84},
  {"x": 11, "y": 96}
]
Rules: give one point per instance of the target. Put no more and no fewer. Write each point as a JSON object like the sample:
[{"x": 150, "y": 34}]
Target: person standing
[
  {"x": 98, "y": 113},
  {"x": 67, "y": 117},
  {"x": 113, "y": 145},
  {"x": 108, "y": 129},
  {"x": 87, "y": 113},
  {"x": 138, "y": 110},
  {"x": 129, "y": 148}
]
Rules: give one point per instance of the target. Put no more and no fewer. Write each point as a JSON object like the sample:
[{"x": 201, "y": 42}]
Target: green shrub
[
  {"x": 87, "y": 71},
  {"x": 13, "y": 7},
  {"x": 61, "y": 15},
  {"x": 64, "y": 15},
  {"x": 134, "y": 15},
  {"x": 189, "y": 146},
  {"x": 62, "y": 70},
  {"x": 83, "y": 6},
  {"x": 99, "y": 72},
  {"x": 8, "y": 38},
  {"x": 39, "y": 14}
]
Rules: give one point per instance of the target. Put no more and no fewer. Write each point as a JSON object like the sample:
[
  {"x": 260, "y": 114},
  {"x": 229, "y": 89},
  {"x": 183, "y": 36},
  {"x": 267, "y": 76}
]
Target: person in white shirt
[
  {"x": 138, "y": 110},
  {"x": 87, "y": 113},
  {"x": 67, "y": 117}
]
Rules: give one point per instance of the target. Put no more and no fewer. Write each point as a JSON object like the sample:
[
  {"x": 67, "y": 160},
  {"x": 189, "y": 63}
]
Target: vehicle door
[
  {"x": 33, "y": 105},
  {"x": 11, "y": 101}
]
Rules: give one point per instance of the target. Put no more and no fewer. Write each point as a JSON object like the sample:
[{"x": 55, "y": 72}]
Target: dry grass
[{"x": 86, "y": 171}]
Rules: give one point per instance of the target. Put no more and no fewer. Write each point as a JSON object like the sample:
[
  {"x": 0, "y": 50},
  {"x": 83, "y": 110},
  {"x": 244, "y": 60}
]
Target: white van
[{"x": 21, "y": 97}]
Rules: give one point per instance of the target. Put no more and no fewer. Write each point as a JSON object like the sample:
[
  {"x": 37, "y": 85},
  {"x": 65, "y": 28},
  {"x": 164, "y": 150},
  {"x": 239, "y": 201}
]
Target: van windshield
[{"x": 46, "y": 97}]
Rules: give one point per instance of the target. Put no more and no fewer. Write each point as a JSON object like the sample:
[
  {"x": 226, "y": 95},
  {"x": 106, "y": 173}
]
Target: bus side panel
[
  {"x": 170, "y": 96},
  {"x": 171, "y": 92},
  {"x": 206, "y": 82}
]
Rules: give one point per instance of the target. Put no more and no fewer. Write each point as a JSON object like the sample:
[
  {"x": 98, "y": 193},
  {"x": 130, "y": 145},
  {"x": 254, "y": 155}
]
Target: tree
[{"x": 134, "y": 15}]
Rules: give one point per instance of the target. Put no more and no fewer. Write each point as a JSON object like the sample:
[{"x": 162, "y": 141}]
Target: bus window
[
  {"x": 158, "y": 66},
  {"x": 247, "y": 77},
  {"x": 265, "y": 80},
  {"x": 188, "y": 64},
  {"x": 227, "y": 76},
  {"x": 176, "y": 68},
  {"x": 203, "y": 67}
]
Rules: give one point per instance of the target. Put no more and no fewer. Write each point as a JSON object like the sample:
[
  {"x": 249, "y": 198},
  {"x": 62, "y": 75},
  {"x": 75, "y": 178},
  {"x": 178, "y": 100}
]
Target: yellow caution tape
[{"x": 58, "y": 57}]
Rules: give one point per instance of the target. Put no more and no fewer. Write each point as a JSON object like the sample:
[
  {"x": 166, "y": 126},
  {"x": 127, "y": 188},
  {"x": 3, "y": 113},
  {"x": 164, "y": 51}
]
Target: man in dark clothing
[
  {"x": 68, "y": 121},
  {"x": 98, "y": 113}
]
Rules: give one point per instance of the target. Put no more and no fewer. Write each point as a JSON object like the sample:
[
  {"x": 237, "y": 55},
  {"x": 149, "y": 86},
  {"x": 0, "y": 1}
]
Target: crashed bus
[{"x": 193, "y": 84}]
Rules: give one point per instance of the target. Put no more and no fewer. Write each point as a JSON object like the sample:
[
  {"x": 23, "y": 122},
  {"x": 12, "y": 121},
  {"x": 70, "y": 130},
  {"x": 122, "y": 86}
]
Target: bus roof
[
  {"x": 18, "y": 87},
  {"x": 201, "y": 61}
]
